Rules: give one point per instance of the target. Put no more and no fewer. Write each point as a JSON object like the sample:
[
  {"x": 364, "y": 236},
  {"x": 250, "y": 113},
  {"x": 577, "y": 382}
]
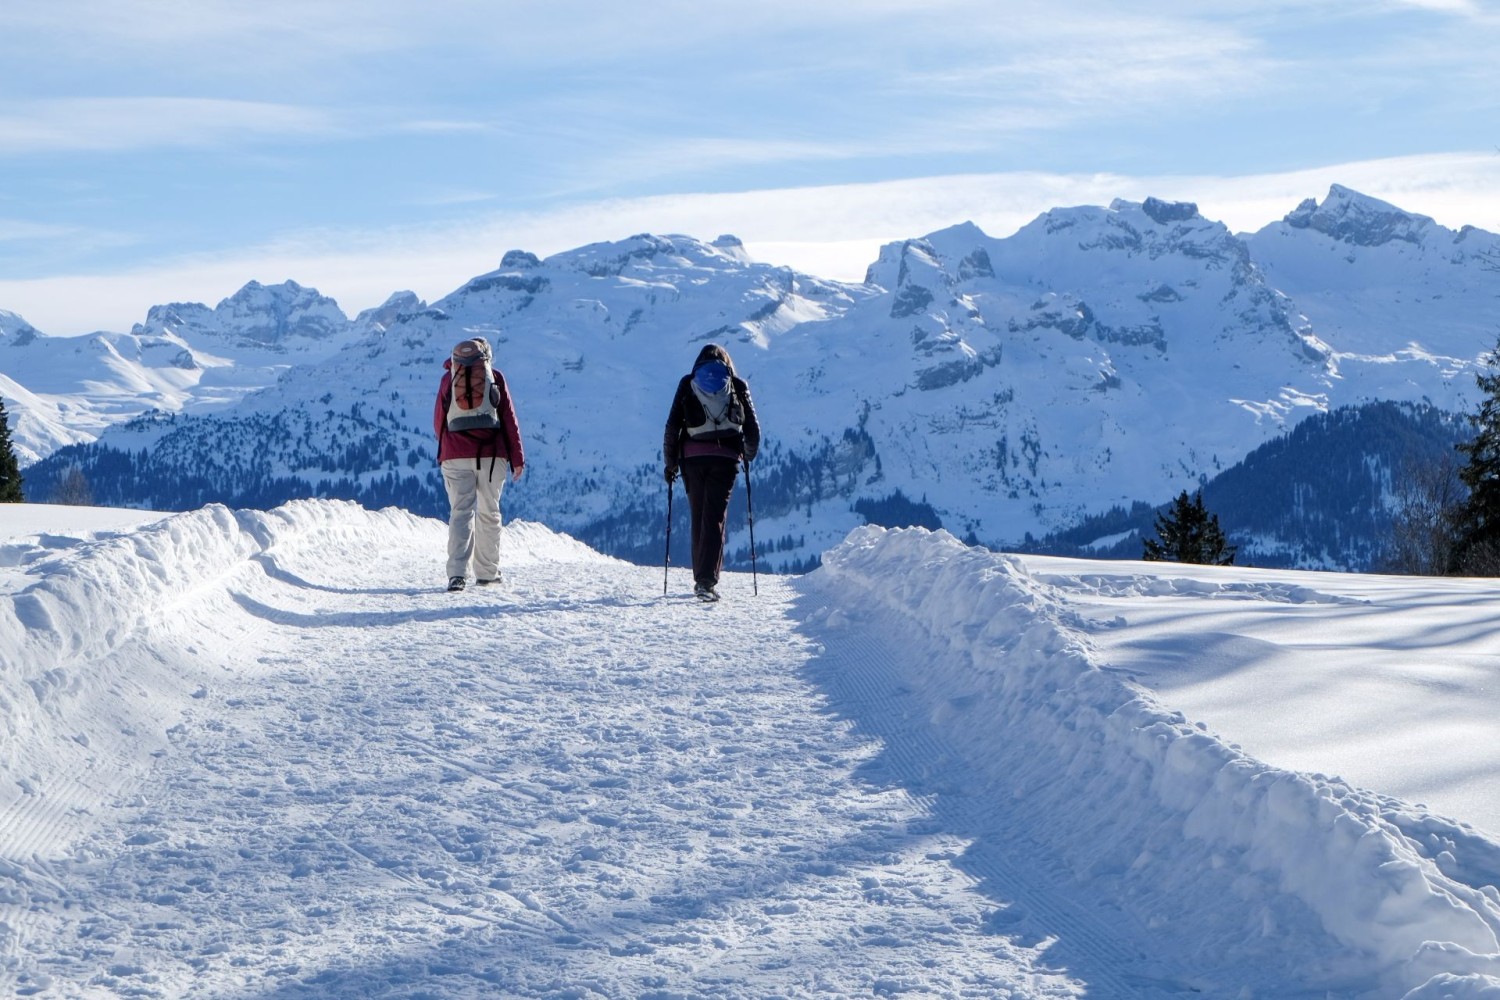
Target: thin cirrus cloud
[
  {"x": 56, "y": 244},
  {"x": 1107, "y": 64},
  {"x": 1467, "y": 8},
  {"x": 974, "y": 100},
  {"x": 134, "y": 123},
  {"x": 436, "y": 126},
  {"x": 701, "y": 155},
  {"x": 205, "y": 35},
  {"x": 17, "y": 230}
]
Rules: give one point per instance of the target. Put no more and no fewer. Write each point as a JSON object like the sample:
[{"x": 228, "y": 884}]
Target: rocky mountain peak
[
  {"x": 399, "y": 304},
  {"x": 1167, "y": 212},
  {"x": 1358, "y": 219},
  {"x": 602, "y": 260},
  {"x": 731, "y": 246},
  {"x": 259, "y": 314},
  {"x": 519, "y": 260},
  {"x": 272, "y": 313},
  {"x": 14, "y": 330}
]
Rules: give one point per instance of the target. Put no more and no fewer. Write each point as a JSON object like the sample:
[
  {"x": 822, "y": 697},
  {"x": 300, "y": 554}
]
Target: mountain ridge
[{"x": 1098, "y": 356}]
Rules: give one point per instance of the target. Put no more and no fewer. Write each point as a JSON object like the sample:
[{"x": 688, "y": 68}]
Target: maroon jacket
[{"x": 503, "y": 442}]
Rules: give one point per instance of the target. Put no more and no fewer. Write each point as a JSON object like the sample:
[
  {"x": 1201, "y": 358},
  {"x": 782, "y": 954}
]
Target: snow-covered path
[
  {"x": 568, "y": 786},
  {"x": 258, "y": 755}
]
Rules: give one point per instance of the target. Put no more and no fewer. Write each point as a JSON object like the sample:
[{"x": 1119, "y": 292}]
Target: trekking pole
[
  {"x": 750, "y": 517},
  {"x": 667, "y": 559}
]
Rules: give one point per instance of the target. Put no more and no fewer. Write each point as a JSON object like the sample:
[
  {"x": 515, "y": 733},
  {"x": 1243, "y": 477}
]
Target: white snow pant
[{"x": 474, "y": 515}]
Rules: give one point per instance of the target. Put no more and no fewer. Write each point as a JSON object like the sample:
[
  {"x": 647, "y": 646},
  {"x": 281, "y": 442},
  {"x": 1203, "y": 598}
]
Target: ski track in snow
[{"x": 263, "y": 755}]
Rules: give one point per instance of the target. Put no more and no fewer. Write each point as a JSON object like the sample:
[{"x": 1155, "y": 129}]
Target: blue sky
[{"x": 171, "y": 150}]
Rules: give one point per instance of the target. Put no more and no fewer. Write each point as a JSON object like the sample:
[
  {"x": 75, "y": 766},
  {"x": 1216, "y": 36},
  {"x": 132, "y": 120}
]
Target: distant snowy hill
[
  {"x": 184, "y": 357},
  {"x": 1319, "y": 495},
  {"x": 1000, "y": 387},
  {"x": 1394, "y": 292}
]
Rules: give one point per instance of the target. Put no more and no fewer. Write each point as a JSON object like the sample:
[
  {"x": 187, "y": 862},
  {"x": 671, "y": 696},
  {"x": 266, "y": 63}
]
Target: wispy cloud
[
  {"x": 16, "y": 230},
  {"x": 207, "y": 33},
  {"x": 1099, "y": 65},
  {"x": 441, "y": 198},
  {"x": 438, "y": 126},
  {"x": 696, "y": 156},
  {"x": 1467, "y": 8},
  {"x": 41, "y": 244},
  {"x": 120, "y": 123}
]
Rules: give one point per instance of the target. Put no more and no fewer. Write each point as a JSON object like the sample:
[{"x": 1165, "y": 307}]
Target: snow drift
[
  {"x": 88, "y": 600},
  {"x": 1168, "y": 817}
]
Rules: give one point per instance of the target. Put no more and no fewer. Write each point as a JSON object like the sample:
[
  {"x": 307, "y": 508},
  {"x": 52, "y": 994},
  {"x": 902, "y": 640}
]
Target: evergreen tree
[
  {"x": 1477, "y": 552},
  {"x": 10, "y": 469},
  {"x": 1188, "y": 533}
]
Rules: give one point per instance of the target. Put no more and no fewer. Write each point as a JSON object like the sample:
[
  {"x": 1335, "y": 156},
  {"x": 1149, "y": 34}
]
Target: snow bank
[
  {"x": 92, "y": 596},
  {"x": 1222, "y": 852}
]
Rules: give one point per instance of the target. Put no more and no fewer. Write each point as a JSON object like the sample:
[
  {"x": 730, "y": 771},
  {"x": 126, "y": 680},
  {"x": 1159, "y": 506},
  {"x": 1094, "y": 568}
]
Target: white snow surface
[{"x": 263, "y": 755}]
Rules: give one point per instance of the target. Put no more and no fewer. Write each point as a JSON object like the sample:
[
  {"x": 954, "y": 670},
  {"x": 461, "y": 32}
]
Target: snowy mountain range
[{"x": 1000, "y": 387}]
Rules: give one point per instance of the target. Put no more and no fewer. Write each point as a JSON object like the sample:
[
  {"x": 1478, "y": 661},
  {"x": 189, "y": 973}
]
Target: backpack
[
  {"x": 723, "y": 413},
  {"x": 475, "y": 405}
]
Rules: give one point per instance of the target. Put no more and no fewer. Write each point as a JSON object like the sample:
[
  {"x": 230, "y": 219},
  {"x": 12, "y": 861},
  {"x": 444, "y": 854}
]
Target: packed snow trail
[
  {"x": 567, "y": 786},
  {"x": 263, "y": 755}
]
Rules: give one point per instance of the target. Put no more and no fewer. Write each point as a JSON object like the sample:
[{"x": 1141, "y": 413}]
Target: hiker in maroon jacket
[
  {"x": 479, "y": 444},
  {"x": 710, "y": 430}
]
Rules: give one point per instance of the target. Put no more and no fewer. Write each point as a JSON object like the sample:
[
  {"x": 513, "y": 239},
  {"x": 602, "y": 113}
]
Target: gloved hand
[{"x": 671, "y": 473}]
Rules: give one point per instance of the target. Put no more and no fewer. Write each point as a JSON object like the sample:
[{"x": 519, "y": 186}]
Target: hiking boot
[
  {"x": 455, "y": 583},
  {"x": 705, "y": 593},
  {"x": 486, "y": 583}
]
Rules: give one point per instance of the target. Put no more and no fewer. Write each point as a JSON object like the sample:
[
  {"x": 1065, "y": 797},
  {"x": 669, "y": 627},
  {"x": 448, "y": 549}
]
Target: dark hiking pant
[{"x": 709, "y": 482}]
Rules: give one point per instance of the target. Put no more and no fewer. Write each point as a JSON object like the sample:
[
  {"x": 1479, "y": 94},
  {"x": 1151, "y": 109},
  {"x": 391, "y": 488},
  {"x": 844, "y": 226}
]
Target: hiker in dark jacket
[
  {"x": 475, "y": 464},
  {"x": 711, "y": 429}
]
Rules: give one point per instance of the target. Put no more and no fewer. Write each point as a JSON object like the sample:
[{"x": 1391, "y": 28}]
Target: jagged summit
[
  {"x": 519, "y": 259},
  {"x": 905, "y": 263},
  {"x": 1358, "y": 219},
  {"x": 15, "y": 330},
  {"x": 1380, "y": 283},
  {"x": 615, "y": 257},
  {"x": 262, "y": 314},
  {"x": 381, "y": 317},
  {"x": 1168, "y": 212},
  {"x": 732, "y": 246}
]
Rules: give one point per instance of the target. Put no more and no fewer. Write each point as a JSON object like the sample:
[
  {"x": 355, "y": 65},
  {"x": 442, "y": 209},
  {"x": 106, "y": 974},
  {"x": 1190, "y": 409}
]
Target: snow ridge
[
  {"x": 1135, "y": 796},
  {"x": 90, "y": 599}
]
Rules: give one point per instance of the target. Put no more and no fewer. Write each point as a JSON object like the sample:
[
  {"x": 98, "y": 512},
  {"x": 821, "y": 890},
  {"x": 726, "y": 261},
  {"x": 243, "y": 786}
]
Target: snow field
[
  {"x": 1226, "y": 860},
  {"x": 263, "y": 755}
]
